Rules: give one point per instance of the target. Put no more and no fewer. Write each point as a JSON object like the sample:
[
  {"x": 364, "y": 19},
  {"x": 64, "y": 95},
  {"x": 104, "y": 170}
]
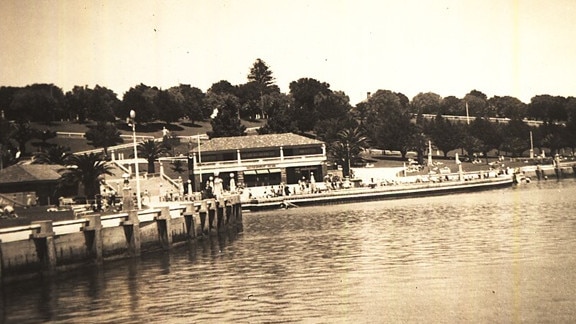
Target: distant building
[
  {"x": 21, "y": 181},
  {"x": 258, "y": 160}
]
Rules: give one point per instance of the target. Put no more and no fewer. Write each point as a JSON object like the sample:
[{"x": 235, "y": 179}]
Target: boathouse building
[{"x": 258, "y": 160}]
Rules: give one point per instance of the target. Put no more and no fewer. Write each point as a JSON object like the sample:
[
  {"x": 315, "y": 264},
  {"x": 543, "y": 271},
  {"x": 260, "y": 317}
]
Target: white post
[
  {"x": 133, "y": 117},
  {"x": 460, "y": 173},
  {"x": 531, "y": 146},
  {"x": 199, "y": 161},
  {"x": 429, "y": 153}
]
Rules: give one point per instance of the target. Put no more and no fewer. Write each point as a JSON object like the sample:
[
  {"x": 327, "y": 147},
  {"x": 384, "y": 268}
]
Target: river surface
[{"x": 501, "y": 256}]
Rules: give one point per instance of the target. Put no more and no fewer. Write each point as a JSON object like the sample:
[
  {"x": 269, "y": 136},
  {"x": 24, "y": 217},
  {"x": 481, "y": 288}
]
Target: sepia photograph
[{"x": 274, "y": 161}]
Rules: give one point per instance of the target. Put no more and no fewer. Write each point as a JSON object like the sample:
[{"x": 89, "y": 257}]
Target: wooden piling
[
  {"x": 163, "y": 223},
  {"x": 190, "y": 220},
  {"x": 211, "y": 214},
  {"x": 93, "y": 236},
  {"x": 132, "y": 233},
  {"x": 46, "y": 250}
]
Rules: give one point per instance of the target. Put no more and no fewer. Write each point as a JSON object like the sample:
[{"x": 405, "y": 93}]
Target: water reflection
[{"x": 496, "y": 256}]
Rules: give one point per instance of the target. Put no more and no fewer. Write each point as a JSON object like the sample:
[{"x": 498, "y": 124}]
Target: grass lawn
[{"x": 76, "y": 144}]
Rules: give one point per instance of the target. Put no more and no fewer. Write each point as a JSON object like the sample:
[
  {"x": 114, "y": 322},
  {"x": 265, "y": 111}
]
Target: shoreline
[{"x": 405, "y": 190}]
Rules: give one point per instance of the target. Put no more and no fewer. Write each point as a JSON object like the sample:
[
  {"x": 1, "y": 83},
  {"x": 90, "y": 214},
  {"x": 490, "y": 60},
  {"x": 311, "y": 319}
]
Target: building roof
[
  {"x": 255, "y": 142},
  {"x": 29, "y": 173}
]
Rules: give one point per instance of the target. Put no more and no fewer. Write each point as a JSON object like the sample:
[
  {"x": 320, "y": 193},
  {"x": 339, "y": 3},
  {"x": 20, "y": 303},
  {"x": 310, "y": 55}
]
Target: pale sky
[{"x": 500, "y": 47}]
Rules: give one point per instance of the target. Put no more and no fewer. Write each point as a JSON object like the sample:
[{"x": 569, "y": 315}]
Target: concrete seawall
[
  {"x": 45, "y": 247},
  {"x": 542, "y": 172}
]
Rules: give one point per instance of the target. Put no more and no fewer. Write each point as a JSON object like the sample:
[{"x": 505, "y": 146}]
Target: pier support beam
[
  {"x": 211, "y": 214},
  {"x": 203, "y": 212},
  {"x": 163, "y": 222},
  {"x": 44, "y": 240},
  {"x": 93, "y": 236},
  {"x": 220, "y": 215},
  {"x": 132, "y": 232},
  {"x": 190, "y": 220}
]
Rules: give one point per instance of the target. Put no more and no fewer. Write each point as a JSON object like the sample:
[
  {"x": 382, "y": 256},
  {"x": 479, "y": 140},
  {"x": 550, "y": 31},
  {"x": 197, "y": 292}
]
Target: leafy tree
[
  {"x": 570, "y": 131},
  {"x": 192, "y": 102},
  {"x": 37, "y": 103},
  {"x": 426, "y": 103},
  {"x": 472, "y": 144},
  {"x": 515, "y": 137},
  {"x": 103, "y": 135},
  {"x": 43, "y": 136},
  {"x": 169, "y": 106},
  {"x": 151, "y": 150},
  {"x": 304, "y": 92},
  {"x": 332, "y": 105},
  {"x": 6, "y": 96},
  {"x": 508, "y": 107},
  {"x": 227, "y": 120},
  {"x": 554, "y": 137},
  {"x": 452, "y": 106},
  {"x": 76, "y": 103},
  {"x": 22, "y": 133},
  {"x": 8, "y": 145},
  {"x": 328, "y": 129},
  {"x": 487, "y": 133},
  {"x": 280, "y": 110},
  {"x": 251, "y": 100},
  {"x": 103, "y": 104},
  {"x": 388, "y": 122},
  {"x": 404, "y": 101},
  {"x": 418, "y": 141},
  {"x": 261, "y": 76},
  {"x": 477, "y": 105},
  {"x": 53, "y": 155},
  {"x": 142, "y": 100},
  {"x": 86, "y": 169},
  {"x": 548, "y": 108},
  {"x": 446, "y": 135},
  {"x": 360, "y": 112},
  {"x": 222, "y": 87}
]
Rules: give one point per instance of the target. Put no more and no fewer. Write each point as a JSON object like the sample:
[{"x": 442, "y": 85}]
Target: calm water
[{"x": 498, "y": 256}]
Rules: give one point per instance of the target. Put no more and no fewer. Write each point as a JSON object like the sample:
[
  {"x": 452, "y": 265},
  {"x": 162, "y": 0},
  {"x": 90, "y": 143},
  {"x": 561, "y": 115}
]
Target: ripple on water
[{"x": 476, "y": 257}]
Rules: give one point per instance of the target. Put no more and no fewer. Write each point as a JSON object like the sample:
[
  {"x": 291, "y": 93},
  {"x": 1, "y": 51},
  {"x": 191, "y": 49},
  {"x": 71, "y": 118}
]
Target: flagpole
[
  {"x": 199, "y": 160},
  {"x": 531, "y": 146}
]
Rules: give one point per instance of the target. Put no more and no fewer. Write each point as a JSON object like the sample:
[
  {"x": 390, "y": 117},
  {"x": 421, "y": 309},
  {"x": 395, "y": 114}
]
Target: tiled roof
[
  {"x": 29, "y": 173},
  {"x": 255, "y": 141}
]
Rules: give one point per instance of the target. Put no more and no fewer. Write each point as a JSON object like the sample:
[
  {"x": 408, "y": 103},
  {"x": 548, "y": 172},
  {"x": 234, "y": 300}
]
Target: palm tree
[
  {"x": 178, "y": 166},
  {"x": 54, "y": 155},
  {"x": 151, "y": 150},
  {"x": 347, "y": 148},
  {"x": 86, "y": 169}
]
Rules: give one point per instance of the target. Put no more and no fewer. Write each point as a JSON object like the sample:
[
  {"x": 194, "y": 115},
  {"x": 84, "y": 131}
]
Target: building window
[{"x": 261, "y": 178}]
